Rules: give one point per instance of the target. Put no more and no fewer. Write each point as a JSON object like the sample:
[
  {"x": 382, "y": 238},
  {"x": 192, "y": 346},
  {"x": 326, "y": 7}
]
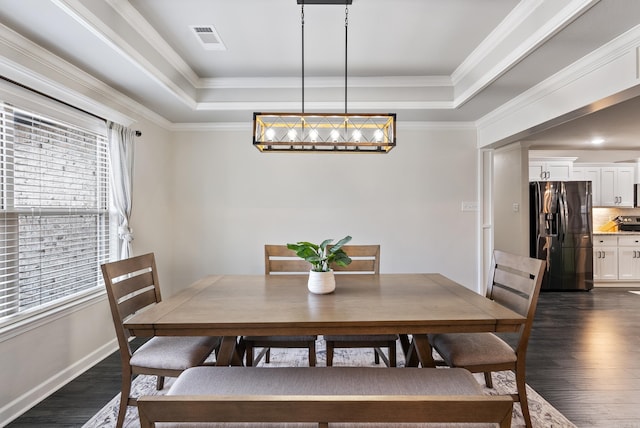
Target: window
[{"x": 54, "y": 211}]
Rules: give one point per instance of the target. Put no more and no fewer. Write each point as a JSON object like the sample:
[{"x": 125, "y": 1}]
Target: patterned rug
[{"x": 542, "y": 413}]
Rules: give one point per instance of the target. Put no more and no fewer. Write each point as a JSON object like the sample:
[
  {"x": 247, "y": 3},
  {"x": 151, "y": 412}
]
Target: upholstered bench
[{"x": 319, "y": 395}]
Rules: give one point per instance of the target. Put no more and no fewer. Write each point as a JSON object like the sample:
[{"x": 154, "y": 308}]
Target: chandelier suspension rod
[
  {"x": 346, "y": 25},
  {"x": 302, "y": 27}
]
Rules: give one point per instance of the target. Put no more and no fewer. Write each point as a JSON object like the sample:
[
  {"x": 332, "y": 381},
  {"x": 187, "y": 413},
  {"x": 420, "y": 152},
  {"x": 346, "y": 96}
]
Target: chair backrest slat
[
  {"x": 514, "y": 282},
  {"x": 356, "y": 265},
  {"x": 364, "y": 259},
  {"x": 289, "y": 266},
  {"x": 136, "y": 302},
  {"x": 132, "y": 284},
  {"x": 512, "y": 289},
  {"x": 280, "y": 259}
]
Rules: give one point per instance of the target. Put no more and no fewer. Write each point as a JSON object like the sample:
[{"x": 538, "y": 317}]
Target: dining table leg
[
  {"x": 227, "y": 355},
  {"x": 420, "y": 351}
]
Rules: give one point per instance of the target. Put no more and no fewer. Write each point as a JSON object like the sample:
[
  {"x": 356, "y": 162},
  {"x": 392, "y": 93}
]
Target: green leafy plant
[{"x": 322, "y": 256}]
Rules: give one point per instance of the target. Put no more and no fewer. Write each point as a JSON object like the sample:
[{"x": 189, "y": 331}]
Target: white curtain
[{"x": 121, "y": 153}]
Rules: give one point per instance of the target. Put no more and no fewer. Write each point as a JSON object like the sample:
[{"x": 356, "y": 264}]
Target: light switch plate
[{"x": 469, "y": 206}]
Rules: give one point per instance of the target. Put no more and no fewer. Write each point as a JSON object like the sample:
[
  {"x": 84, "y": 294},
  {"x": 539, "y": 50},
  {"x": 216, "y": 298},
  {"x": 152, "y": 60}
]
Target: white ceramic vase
[{"x": 321, "y": 282}]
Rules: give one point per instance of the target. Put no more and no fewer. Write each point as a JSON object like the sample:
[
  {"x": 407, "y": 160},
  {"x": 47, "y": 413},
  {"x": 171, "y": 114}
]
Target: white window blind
[{"x": 54, "y": 211}]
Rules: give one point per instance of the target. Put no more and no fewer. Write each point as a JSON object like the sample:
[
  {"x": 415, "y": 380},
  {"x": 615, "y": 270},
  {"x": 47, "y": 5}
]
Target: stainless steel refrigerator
[{"x": 561, "y": 233}]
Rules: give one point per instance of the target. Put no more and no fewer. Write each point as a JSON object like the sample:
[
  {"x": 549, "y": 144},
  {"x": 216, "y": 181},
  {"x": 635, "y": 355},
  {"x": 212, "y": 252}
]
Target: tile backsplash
[{"x": 602, "y": 215}]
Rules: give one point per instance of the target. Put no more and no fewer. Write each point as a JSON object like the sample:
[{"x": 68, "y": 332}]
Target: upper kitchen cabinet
[
  {"x": 616, "y": 186},
  {"x": 550, "y": 169},
  {"x": 589, "y": 173},
  {"x": 612, "y": 184}
]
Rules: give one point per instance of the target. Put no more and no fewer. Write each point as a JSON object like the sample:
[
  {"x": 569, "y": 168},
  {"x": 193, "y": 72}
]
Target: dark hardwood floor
[{"x": 583, "y": 358}]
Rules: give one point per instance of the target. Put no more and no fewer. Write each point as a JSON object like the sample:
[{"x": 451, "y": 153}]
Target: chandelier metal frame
[{"x": 325, "y": 132}]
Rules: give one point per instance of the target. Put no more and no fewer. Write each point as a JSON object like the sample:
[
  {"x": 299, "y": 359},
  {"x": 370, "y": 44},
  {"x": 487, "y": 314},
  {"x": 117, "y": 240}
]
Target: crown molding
[
  {"x": 284, "y": 106},
  {"x": 415, "y": 125},
  {"x": 70, "y": 83},
  {"x": 554, "y": 24},
  {"x": 325, "y": 82},
  {"x": 80, "y": 13},
  {"x": 617, "y": 48},
  {"x": 513, "y": 20},
  {"x": 131, "y": 15},
  {"x": 212, "y": 126}
]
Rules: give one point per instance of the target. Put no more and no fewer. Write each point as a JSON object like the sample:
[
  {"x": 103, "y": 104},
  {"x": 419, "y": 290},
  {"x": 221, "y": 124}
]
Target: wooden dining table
[{"x": 410, "y": 305}]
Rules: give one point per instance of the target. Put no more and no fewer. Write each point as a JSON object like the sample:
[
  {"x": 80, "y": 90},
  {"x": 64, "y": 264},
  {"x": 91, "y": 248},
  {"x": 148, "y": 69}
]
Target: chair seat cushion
[
  {"x": 362, "y": 338},
  {"x": 280, "y": 338},
  {"x": 173, "y": 353},
  {"x": 472, "y": 349}
]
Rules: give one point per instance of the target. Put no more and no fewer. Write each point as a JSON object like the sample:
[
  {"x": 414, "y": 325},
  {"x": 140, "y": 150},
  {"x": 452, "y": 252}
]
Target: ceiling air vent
[{"x": 208, "y": 36}]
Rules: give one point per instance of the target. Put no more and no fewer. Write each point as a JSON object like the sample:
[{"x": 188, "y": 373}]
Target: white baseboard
[{"x": 26, "y": 401}]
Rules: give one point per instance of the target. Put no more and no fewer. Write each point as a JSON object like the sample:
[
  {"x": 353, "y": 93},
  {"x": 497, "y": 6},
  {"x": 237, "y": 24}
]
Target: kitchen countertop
[{"x": 616, "y": 233}]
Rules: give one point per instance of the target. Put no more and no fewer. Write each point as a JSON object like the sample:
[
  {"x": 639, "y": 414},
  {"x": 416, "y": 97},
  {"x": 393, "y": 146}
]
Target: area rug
[{"x": 542, "y": 413}]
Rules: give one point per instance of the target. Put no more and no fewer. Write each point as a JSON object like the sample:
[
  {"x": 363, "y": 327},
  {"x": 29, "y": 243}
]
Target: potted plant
[{"x": 321, "y": 257}]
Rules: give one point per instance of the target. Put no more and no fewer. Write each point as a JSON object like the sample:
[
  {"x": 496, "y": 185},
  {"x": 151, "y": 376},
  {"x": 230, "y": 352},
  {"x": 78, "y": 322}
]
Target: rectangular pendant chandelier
[{"x": 324, "y": 132}]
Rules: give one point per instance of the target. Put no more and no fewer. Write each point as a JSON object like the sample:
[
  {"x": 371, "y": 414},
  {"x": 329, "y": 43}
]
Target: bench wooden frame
[{"x": 334, "y": 408}]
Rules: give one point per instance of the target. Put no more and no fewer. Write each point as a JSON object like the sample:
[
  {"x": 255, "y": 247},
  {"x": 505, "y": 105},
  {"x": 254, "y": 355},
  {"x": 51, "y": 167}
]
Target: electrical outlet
[{"x": 516, "y": 207}]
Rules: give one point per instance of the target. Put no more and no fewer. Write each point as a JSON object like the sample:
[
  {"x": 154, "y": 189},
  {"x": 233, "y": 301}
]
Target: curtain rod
[{"x": 137, "y": 132}]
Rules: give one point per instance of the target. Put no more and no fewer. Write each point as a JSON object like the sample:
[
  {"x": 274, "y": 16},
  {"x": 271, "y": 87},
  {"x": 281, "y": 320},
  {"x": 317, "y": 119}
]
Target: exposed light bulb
[
  {"x": 313, "y": 135},
  {"x": 335, "y": 135},
  {"x": 270, "y": 134},
  {"x": 378, "y": 135},
  {"x": 292, "y": 135},
  {"x": 357, "y": 135}
]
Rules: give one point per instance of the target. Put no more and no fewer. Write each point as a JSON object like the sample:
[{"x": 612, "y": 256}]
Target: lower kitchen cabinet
[
  {"x": 616, "y": 257},
  {"x": 605, "y": 258},
  {"x": 628, "y": 257}
]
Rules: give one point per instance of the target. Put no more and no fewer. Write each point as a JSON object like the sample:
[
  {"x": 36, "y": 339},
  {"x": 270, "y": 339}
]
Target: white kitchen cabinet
[
  {"x": 550, "y": 169},
  {"x": 616, "y": 186},
  {"x": 605, "y": 257},
  {"x": 592, "y": 174},
  {"x": 629, "y": 257}
]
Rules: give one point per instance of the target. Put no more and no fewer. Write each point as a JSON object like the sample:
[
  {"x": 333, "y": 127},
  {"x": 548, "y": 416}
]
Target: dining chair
[
  {"x": 514, "y": 282},
  {"x": 364, "y": 259},
  {"x": 132, "y": 285},
  {"x": 278, "y": 259}
]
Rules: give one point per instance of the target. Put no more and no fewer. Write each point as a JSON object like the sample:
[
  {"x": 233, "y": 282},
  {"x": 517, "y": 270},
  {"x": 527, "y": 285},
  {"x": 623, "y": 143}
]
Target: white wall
[
  {"x": 152, "y": 216},
  {"x": 510, "y": 186},
  {"x": 231, "y": 199}
]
